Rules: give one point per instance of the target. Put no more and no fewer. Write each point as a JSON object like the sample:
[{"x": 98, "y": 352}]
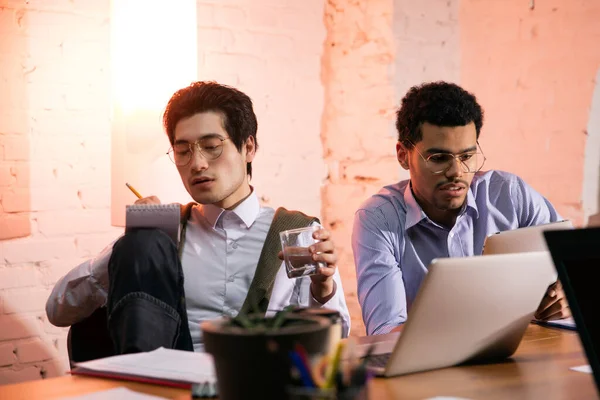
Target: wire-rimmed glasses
[
  {"x": 210, "y": 147},
  {"x": 469, "y": 161}
]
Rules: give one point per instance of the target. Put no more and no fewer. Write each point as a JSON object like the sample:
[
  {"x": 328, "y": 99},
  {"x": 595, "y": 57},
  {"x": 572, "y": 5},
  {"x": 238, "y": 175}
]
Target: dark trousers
[{"x": 146, "y": 299}]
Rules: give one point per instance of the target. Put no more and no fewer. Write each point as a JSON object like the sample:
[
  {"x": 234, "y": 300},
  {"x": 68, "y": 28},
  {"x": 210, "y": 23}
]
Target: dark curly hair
[
  {"x": 438, "y": 103},
  {"x": 239, "y": 119}
]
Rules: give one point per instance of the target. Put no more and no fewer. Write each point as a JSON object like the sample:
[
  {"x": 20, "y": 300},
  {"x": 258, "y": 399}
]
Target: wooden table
[{"x": 538, "y": 370}]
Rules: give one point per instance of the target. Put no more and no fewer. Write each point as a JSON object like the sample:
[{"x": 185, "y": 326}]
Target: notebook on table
[
  {"x": 165, "y": 217},
  {"x": 168, "y": 367}
]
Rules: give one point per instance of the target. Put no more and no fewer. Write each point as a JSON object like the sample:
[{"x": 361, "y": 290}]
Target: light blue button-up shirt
[
  {"x": 219, "y": 260},
  {"x": 394, "y": 241}
]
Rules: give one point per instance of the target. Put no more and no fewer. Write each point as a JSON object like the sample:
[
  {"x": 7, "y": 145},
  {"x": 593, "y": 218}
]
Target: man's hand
[
  {"x": 554, "y": 304},
  {"x": 148, "y": 200},
  {"x": 323, "y": 286}
]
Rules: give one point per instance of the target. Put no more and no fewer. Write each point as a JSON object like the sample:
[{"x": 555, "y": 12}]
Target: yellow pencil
[
  {"x": 139, "y": 196},
  {"x": 334, "y": 366}
]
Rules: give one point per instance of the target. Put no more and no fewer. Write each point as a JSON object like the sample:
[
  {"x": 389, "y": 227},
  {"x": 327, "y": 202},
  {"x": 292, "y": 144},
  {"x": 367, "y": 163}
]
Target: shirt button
[
  {"x": 231, "y": 279},
  {"x": 234, "y": 245},
  {"x": 451, "y": 234}
]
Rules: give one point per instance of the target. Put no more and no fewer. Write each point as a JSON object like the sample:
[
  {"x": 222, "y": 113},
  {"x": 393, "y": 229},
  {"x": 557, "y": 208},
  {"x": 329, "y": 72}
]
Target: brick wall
[
  {"x": 325, "y": 78},
  {"x": 534, "y": 71},
  {"x": 54, "y": 168},
  {"x": 359, "y": 99},
  {"x": 374, "y": 52},
  {"x": 272, "y": 49},
  {"x": 55, "y": 140}
]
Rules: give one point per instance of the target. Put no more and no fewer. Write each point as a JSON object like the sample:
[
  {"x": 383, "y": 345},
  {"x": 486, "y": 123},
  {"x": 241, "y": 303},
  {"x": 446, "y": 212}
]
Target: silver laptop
[
  {"x": 470, "y": 309},
  {"x": 522, "y": 240}
]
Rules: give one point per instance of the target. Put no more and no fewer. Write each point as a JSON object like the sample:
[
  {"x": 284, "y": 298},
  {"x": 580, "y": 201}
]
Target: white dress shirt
[{"x": 220, "y": 255}]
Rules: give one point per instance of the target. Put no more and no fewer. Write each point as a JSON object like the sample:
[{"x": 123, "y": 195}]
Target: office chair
[{"x": 89, "y": 339}]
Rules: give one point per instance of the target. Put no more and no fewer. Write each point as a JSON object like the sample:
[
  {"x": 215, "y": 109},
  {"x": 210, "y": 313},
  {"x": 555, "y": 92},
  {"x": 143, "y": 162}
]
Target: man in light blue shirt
[
  {"x": 138, "y": 282},
  {"x": 447, "y": 208}
]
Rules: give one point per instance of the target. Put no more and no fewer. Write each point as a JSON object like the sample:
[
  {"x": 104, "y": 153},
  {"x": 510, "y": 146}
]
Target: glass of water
[{"x": 298, "y": 259}]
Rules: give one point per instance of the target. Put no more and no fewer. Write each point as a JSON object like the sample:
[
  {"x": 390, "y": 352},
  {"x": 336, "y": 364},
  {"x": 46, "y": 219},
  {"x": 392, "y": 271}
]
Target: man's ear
[
  {"x": 402, "y": 155},
  {"x": 250, "y": 147}
]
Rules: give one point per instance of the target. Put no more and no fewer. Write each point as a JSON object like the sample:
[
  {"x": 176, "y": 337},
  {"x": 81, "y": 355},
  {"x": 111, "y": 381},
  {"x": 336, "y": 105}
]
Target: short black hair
[
  {"x": 438, "y": 103},
  {"x": 239, "y": 119}
]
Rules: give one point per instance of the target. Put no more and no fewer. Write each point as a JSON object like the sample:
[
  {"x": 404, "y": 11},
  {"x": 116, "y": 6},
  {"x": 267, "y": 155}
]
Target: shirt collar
[
  {"x": 247, "y": 211},
  {"x": 414, "y": 212}
]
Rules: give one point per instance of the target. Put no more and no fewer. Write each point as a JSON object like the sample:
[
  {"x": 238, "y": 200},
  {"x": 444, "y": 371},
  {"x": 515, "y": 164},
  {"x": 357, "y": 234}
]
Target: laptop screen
[
  {"x": 583, "y": 296},
  {"x": 576, "y": 255}
]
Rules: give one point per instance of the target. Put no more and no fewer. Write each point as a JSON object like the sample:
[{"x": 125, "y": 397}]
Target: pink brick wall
[
  {"x": 359, "y": 100},
  {"x": 534, "y": 72}
]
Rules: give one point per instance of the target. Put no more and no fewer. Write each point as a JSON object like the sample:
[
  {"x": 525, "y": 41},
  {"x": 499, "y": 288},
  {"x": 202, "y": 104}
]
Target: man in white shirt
[{"x": 140, "y": 279}]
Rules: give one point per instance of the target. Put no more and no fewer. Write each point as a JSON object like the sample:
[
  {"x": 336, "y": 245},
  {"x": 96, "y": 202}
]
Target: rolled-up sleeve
[
  {"x": 381, "y": 291},
  {"x": 337, "y": 302}
]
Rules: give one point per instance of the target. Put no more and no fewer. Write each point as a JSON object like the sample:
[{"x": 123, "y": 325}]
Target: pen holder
[{"x": 335, "y": 332}]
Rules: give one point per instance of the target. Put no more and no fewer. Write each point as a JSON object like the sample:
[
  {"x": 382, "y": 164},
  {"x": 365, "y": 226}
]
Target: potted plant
[{"x": 251, "y": 351}]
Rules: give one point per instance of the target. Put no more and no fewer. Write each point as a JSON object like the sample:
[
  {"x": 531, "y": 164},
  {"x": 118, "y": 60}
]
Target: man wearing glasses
[
  {"x": 212, "y": 130},
  {"x": 446, "y": 209}
]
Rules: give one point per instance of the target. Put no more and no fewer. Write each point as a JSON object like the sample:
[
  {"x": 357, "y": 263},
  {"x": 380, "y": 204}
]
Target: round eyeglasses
[
  {"x": 210, "y": 148},
  {"x": 469, "y": 161}
]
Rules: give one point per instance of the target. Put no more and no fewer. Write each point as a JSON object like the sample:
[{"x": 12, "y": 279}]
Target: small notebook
[{"x": 161, "y": 216}]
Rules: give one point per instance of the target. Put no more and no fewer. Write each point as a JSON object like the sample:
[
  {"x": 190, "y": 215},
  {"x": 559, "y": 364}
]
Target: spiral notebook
[
  {"x": 176, "y": 368},
  {"x": 161, "y": 216}
]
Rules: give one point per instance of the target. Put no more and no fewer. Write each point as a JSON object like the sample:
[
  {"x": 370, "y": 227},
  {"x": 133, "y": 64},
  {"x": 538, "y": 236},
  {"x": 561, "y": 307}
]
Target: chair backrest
[{"x": 89, "y": 339}]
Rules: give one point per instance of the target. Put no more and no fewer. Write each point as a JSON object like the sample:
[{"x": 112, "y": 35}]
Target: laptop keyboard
[{"x": 379, "y": 360}]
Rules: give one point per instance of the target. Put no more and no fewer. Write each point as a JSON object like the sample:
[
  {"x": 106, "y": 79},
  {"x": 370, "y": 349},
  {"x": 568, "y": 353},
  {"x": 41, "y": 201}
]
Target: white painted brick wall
[
  {"x": 272, "y": 51},
  {"x": 54, "y": 168}
]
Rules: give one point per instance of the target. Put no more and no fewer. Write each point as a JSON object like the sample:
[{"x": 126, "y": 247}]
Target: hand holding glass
[{"x": 297, "y": 257}]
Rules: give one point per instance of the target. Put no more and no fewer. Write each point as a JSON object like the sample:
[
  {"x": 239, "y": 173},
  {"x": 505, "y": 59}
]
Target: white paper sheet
[
  {"x": 120, "y": 393},
  {"x": 446, "y": 398},
  {"x": 176, "y": 365},
  {"x": 582, "y": 368}
]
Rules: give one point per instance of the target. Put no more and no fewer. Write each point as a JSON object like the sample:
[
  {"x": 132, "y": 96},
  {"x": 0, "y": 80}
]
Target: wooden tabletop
[{"x": 538, "y": 370}]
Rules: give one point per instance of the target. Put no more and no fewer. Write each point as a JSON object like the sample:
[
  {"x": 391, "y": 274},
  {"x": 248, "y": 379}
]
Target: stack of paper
[
  {"x": 164, "y": 366},
  {"x": 119, "y": 393}
]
